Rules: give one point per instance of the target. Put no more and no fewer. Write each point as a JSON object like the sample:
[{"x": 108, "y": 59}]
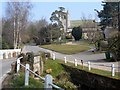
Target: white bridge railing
[
  {"x": 48, "y": 80},
  {"x": 9, "y": 53}
]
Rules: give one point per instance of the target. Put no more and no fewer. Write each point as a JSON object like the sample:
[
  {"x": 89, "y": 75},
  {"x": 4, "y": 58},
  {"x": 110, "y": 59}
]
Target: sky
[{"x": 76, "y": 9}]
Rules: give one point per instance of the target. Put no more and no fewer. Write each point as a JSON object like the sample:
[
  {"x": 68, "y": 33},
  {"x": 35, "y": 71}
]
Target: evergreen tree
[
  {"x": 77, "y": 33},
  {"x": 109, "y": 15}
]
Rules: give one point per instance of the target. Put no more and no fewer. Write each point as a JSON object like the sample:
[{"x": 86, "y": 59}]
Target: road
[
  {"x": 86, "y": 56},
  {"x": 5, "y": 66},
  {"x": 95, "y": 59}
]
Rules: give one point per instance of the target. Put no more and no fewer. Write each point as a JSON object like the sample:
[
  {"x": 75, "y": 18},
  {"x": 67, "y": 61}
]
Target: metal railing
[{"x": 48, "y": 80}]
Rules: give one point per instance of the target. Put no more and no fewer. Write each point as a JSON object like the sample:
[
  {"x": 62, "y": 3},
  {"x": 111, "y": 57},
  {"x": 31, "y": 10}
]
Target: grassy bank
[
  {"x": 61, "y": 77},
  {"x": 66, "y": 49},
  {"x": 57, "y": 68}
]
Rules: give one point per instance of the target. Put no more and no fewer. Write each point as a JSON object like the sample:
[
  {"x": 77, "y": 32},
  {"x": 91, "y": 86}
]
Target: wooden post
[
  {"x": 89, "y": 67},
  {"x": 48, "y": 81},
  {"x": 18, "y": 65},
  {"x": 65, "y": 59},
  {"x": 26, "y": 75},
  {"x": 113, "y": 69},
  {"x": 53, "y": 56},
  {"x": 75, "y": 61}
]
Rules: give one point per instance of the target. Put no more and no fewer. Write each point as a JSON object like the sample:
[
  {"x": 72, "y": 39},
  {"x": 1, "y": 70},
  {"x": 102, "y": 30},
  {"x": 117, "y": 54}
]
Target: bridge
[{"x": 9, "y": 53}]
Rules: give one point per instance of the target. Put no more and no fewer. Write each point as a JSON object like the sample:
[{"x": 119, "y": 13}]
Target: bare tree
[
  {"x": 7, "y": 33},
  {"x": 18, "y": 12},
  {"x": 38, "y": 31}
]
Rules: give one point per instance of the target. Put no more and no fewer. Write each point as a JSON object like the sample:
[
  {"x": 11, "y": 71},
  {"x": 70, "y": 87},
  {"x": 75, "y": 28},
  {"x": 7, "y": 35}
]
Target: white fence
[
  {"x": 48, "y": 80},
  {"x": 89, "y": 64},
  {"x": 9, "y": 53}
]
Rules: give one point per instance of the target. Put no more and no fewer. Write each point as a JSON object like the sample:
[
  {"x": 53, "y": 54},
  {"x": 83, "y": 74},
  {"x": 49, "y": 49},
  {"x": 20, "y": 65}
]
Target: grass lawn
[
  {"x": 67, "y": 49},
  {"x": 56, "y": 67}
]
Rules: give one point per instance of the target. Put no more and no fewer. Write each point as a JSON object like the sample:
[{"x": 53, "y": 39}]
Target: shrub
[
  {"x": 5, "y": 45},
  {"x": 77, "y": 33},
  {"x": 63, "y": 80},
  {"x": 30, "y": 57},
  {"x": 44, "y": 55},
  {"x": 18, "y": 82},
  {"x": 114, "y": 45},
  {"x": 69, "y": 36}
]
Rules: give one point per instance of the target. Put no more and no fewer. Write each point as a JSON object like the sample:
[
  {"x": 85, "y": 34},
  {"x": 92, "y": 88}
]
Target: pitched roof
[{"x": 83, "y": 23}]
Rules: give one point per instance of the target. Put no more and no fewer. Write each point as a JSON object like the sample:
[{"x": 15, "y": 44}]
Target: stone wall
[{"x": 93, "y": 81}]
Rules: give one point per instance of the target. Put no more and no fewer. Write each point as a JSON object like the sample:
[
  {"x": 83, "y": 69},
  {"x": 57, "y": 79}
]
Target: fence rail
[
  {"x": 48, "y": 80},
  {"x": 112, "y": 66}
]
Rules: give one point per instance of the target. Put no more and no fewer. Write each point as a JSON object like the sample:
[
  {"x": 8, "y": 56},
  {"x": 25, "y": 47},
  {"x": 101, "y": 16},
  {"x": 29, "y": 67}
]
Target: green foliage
[
  {"x": 24, "y": 59},
  {"x": 57, "y": 15},
  {"x": 55, "y": 66},
  {"x": 114, "y": 45},
  {"x": 66, "y": 84},
  {"x": 56, "y": 33},
  {"x": 5, "y": 45},
  {"x": 61, "y": 77},
  {"x": 109, "y": 17},
  {"x": 30, "y": 56},
  {"x": 77, "y": 33},
  {"x": 109, "y": 14},
  {"x": 18, "y": 82},
  {"x": 97, "y": 39},
  {"x": 44, "y": 34},
  {"x": 39, "y": 32},
  {"x": 44, "y": 56},
  {"x": 63, "y": 80}
]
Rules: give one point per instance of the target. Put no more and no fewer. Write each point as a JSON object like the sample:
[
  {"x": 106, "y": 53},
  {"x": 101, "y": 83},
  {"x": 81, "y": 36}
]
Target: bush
[
  {"x": 77, "y": 33},
  {"x": 27, "y": 59},
  {"x": 24, "y": 59},
  {"x": 45, "y": 55},
  {"x": 30, "y": 57},
  {"x": 5, "y": 45},
  {"x": 64, "y": 76},
  {"x": 64, "y": 81},
  {"x": 114, "y": 45}
]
